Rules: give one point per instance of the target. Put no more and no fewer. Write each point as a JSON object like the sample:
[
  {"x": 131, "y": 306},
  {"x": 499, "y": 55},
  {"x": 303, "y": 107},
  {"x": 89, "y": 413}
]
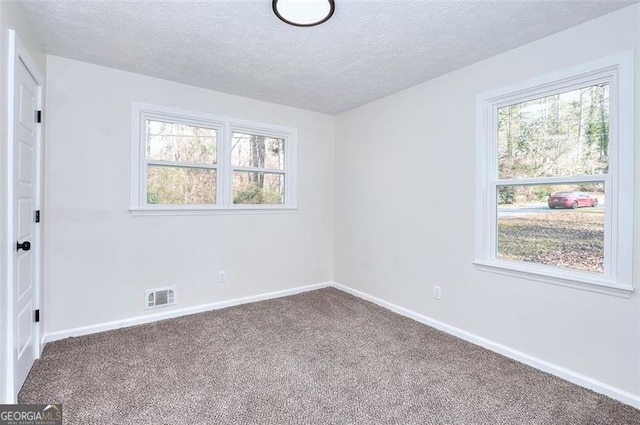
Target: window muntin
[
  {"x": 189, "y": 161},
  {"x": 611, "y": 81}
]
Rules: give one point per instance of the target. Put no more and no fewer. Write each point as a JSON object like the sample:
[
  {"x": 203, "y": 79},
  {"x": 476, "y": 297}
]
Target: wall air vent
[{"x": 159, "y": 297}]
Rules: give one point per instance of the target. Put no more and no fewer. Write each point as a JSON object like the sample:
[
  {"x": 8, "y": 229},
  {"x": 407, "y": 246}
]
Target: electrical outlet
[
  {"x": 437, "y": 292},
  {"x": 222, "y": 276}
]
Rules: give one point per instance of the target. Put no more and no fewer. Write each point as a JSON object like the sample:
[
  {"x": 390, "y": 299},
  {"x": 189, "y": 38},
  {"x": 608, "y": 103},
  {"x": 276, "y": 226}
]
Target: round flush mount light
[{"x": 304, "y": 13}]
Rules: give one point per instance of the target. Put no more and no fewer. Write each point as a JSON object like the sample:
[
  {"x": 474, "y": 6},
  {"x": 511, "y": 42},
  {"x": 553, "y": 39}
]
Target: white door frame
[{"x": 18, "y": 52}]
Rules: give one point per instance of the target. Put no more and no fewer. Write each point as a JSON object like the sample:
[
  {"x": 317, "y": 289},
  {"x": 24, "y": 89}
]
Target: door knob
[{"x": 25, "y": 246}]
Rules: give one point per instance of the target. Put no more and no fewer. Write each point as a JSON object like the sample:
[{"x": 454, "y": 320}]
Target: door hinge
[
  {"x": 39, "y": 116},
  {"x": 37, "y": 315},
  {"x": 37, "y": 216}
]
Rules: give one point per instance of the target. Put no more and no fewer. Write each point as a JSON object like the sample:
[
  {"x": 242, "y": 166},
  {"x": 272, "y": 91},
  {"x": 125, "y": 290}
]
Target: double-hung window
[
  {"x": 258, "y": 163},
  {"x": 555, "y": 178},
  {"x": 189, "y": 162}
]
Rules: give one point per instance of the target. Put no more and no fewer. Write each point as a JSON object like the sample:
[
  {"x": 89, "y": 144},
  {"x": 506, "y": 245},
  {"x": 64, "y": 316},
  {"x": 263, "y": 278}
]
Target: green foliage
[
  {"x": 506, "y": 195},
  {"x": 541, "y": 193},
  {"x": 257, "y": 195},
  {"x": 591, "y": 187},
  {"x": 525, "y": 194},
  {"x": 153, "y": 197}
]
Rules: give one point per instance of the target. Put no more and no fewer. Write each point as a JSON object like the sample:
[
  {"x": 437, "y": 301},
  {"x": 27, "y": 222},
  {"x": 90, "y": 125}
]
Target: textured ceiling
[{"x": 369, "y": 49}]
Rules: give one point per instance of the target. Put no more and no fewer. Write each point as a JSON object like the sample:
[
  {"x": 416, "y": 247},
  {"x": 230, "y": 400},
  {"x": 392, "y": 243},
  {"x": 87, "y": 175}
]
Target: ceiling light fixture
[{"x": 304, "y": 13}]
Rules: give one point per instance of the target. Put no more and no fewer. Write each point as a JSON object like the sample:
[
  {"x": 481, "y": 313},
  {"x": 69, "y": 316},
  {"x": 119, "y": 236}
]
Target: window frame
[
  {"x": 617, "y": 71},
  {"x": 224, "y": 126}
]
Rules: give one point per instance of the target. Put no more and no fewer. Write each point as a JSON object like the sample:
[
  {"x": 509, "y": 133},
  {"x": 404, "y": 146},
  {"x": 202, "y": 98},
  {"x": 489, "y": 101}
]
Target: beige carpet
[{"x": 322, "y": 357}]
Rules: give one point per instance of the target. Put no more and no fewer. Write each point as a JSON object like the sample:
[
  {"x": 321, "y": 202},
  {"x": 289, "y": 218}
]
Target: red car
[{"x": 571, "y": 200}]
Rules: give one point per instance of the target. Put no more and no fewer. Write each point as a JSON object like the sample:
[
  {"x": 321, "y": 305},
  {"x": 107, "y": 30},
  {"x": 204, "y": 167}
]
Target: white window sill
[
  {"x": 245, "y": 209},
  {"x": 585, "y": 281}
]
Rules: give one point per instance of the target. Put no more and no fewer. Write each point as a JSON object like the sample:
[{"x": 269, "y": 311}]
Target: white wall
[
  {"x": 99, "y": 259},
  {"x": 404, "y": 216},
  {"x": 12, "y": 16}
]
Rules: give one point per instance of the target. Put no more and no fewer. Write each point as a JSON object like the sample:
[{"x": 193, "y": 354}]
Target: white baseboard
[
  {"x": 567, "y": 374},
  {"x": 561, "y": 372},
  {"x": 117, "y": 324}
]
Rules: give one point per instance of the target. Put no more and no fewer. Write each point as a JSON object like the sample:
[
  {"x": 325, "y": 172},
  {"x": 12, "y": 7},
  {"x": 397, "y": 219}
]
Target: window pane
[
  {"x": 564, "y": 134},
  {"x": 180, "y": 186},
  {"x": 258, "y": 188},
  {"x": 181, "y": 143},
  {"x": 557, "y": 225},
  {"x": 250, "y": 150}
]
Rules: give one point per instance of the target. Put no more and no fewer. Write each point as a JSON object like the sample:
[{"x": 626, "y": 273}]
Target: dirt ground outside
[{"x": 564, "y": 238}]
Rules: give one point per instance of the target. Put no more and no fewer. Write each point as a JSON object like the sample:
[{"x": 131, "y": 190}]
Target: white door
[{"x": 25, "y": 181}]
